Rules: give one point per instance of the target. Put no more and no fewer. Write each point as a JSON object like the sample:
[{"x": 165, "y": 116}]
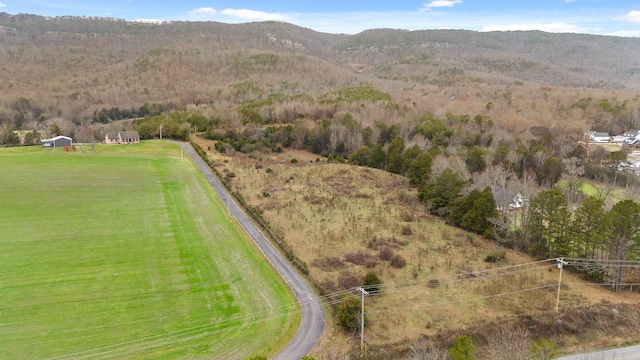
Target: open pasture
[{"x": 125, "y": 252}]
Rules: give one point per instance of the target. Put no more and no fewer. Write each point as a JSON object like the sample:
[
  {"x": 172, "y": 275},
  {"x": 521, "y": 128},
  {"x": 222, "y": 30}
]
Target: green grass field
[{"x": 125, "y": 252}]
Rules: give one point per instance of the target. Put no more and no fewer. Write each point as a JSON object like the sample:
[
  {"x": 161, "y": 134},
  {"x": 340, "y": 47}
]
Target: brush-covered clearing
[
  {"x": 125, "y": 251},
  {"x": 345, "y": 221}
]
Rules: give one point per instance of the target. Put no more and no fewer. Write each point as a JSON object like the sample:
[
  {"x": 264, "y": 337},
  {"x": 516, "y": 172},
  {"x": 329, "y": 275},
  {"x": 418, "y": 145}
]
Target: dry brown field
[{"x": 330, "y": 213}]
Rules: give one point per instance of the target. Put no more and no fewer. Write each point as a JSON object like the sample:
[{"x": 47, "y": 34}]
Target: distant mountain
[
  {"x": 554, "y": 59},
  {"x": 72, "y": 66}
]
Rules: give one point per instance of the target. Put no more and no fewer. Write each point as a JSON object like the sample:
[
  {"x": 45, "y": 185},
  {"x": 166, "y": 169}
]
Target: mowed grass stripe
[{"x": 124, "y": 251}]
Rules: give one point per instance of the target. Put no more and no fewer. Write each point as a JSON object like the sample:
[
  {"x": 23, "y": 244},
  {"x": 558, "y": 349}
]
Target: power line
[
  {"x": 476, "y": 299},
  {"x": 209, "y": 328}
]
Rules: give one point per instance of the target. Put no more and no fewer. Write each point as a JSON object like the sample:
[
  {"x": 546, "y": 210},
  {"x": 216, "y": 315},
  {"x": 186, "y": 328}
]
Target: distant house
[
  {"x": 122, "y": 137},
  {"x": 58, "y": 141},
  {"x": 506, "y": 201},
  {"x": 601, "y": 137}
]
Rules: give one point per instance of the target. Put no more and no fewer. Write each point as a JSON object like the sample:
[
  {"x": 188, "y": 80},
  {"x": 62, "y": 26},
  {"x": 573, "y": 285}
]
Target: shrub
[
  {"x": 231, "y": 175},
  {"x": 268, "y": 170},
  {"x": 294, "y": 161},
  {"x": 464, "y": 349},
  {"x": 371, "y": 282},
  {"x": 509, "y": 343},
  {"x": 359, "y": 257},
  {"x": 544, "y": 349},
  {"x": 347, "y": 280},
  {"x": 398, "y": 261},
  {"x": 433, "y": 283},
  {"x": 495, "y": 257},
  {"x": 348, "y": 314},
  {"x": 386, "y": 253},
  {"x": 328, "y": 263},
  {"x": 406, "y": 230},
  {"x": 371, "y": 263}
]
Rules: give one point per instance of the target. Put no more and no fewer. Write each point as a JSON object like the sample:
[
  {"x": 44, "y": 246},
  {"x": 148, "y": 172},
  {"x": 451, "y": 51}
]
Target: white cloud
[
  {"x": 2, "y": 5},
  {"x": 633, "y": 16},
  {"x": 355, "y": 22},
  {"x": 625, "y": 33},
  {"x": 203, "y": 11},
  {"x": 441, "y": 3},
  {"x": 253, "y": 15},
  {"x": 553, "y": 28}
]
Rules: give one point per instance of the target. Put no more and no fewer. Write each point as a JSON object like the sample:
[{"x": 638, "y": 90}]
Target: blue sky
[{"x": 602, "y": 17}]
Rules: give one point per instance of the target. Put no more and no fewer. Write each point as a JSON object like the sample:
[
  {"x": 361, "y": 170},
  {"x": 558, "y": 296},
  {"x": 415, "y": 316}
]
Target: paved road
[
  {"x": 628, "y": 353},
  {"x": 313, "y": 316}
]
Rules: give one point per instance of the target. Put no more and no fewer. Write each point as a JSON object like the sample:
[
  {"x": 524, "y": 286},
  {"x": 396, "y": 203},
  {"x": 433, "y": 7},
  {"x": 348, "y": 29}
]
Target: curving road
[
  {"x": 628, "y": 353},
  {"x": 313, "y": 316}
]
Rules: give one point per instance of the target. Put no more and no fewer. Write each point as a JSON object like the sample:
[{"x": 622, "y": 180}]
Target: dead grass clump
[
  {"x": 406, "y": 230},
  {"x": 398, "y": 183},
  {"x": 407, "y": 216},
  {"x": 327, "y": 286},
  {"x": 272, "y": 205},
  {"x": 359, "y": 257},
  {"x": 386, "y": 253},
  {"x": 328, "y": 263},
  {"x": 360, "y": 195},
  {"x": 313, "y": 199},
  {"x": 398, "y": 262},
  {"x": 370, "y": 264},
  {"x": 392, "y": 242},
  {"x": 347, "y": 280},
  {"x": 345, "y": 190}
]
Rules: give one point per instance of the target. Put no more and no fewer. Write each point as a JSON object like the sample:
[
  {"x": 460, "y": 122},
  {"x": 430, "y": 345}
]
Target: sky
[{"x": 600, "y": 17}]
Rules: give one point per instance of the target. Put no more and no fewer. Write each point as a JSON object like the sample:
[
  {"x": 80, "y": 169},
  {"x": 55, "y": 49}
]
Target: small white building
[{"x": 58, "y": 141}]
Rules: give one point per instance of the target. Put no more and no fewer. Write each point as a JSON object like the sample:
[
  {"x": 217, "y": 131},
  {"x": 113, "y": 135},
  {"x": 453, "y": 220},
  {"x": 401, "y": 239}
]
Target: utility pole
[
  {"x": 363, "y": 292},
  {"x": 561, "y": 262}
]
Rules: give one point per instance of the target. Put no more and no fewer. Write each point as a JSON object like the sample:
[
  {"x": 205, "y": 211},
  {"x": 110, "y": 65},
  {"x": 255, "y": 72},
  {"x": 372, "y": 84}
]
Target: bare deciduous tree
[
  {"x": 573, "y": 173},
  {"x": 422, "y": 350},
  {"x": 509, "y": 343}
]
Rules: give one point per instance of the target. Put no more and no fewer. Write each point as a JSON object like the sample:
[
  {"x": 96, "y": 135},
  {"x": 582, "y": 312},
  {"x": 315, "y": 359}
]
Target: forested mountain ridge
[
  {"x": 44, "y": 58},
  {"x": 575, "y": 60}
]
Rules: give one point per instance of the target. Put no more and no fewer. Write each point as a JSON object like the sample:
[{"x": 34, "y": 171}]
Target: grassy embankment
[{"x": 125, "y": 251}]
